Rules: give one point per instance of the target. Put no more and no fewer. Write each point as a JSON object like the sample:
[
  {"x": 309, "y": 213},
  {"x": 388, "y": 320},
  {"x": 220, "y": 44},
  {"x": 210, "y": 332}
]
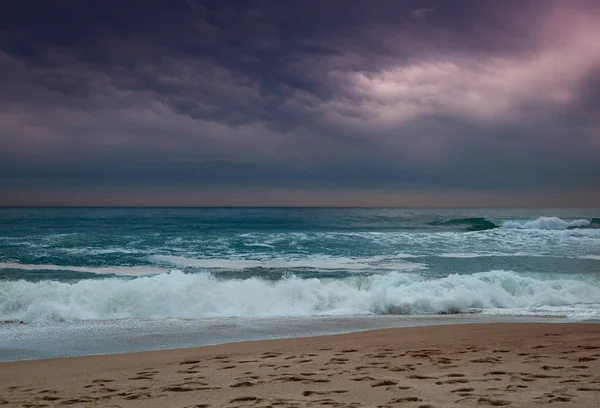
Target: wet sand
[{"x": 500, "y": 364}]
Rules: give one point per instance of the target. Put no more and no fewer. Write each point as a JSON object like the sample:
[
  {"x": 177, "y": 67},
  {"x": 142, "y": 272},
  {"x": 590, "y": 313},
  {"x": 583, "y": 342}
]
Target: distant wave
[
  {"x": 469, "y": 224},
  {"x": 552, "y": 223},
  {"x": 100, "y": 270},
  {"x": 180, "y": 295},
  {"x": 540, "y": 223},
  {"x": 315, "y": 262}
]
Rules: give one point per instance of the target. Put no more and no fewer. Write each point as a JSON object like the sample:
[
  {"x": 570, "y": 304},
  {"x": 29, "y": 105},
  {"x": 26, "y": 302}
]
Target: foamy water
[
  {"x": 180, "y": 295},
  {"x": 61, "y": 265}
]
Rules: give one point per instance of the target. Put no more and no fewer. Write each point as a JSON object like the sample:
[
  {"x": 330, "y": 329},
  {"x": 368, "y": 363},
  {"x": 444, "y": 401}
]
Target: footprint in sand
[
  {"x": 444, "y": 360},
  {"x": 496, "y": 373},
  {"x": 309, "y": 393},
  {"x": 244, "y": 399},
  {"x": 48, "y": 398},
  {"x": 185, "y": 388},
  {"x": 75, "y": 401},
  {"x": 178, "y": 388},
  {"x": 304, "y": 380},
  {"x": 548, "y": 367},
  {"x": 377, "y": 355},
  {"x": 453, "y": 381},
  {"x": 538, "y": 375},
  {"x": 338, "y": 360},
  {"x": 492, "y": 402},
  {"x": 559, "y": 399},
  {"x": 491, "y": 360},
  {"x": 421, "y": 377},
  {"x": 515, "y": 387},
  {"x": 248, "y": 375},
  {"x": 365, "y": 378},
  {"x": 243, "y": 384},
  {"x": 133, "y": 396},
  {"x": 383, "y": 383},
  {"x": 190, "y": 371},
  {"x": 463, "y": 390},
  {"x": 186, "y": 362},
  {"x": 550, "y": 398},
  {"x": 402, "y": 400},
  {"x": 107, "y": 389}
]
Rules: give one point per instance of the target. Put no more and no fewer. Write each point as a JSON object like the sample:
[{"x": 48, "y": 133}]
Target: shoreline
[
  {"x": 22, "y": 342},
  {"x": 471, "y": 364}
]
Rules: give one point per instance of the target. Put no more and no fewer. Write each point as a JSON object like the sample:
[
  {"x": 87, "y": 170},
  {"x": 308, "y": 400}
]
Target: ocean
[{"x": 92, "y": 280}]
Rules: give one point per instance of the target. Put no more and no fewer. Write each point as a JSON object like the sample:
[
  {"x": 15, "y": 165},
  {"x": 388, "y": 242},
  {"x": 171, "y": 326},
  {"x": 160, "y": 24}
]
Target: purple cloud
[{"x": 209, "y": 95}]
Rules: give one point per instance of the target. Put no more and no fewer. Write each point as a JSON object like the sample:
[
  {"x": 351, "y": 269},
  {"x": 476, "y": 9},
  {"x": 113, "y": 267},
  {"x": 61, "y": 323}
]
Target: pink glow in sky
[{"x": 338, "y": 103}]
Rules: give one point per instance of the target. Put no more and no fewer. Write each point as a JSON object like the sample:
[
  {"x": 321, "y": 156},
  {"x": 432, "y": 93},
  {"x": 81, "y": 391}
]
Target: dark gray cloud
[{"x": 404, "y": 96}]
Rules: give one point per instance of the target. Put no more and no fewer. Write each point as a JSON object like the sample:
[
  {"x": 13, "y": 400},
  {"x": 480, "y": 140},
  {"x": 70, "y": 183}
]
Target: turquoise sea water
[{"x": 82, "y": 264}]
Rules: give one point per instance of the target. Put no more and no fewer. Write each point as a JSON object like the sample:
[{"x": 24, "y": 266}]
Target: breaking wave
[
  {"x": 552, "y": 223},
  {"x": 179, "y": 295},
  {"x": 540, "y": 223},
  {"x": 469, "y": 224}
]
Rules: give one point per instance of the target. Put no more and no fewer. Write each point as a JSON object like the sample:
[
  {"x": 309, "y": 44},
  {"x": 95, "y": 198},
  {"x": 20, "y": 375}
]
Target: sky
[{"x": 300, "y": 103}]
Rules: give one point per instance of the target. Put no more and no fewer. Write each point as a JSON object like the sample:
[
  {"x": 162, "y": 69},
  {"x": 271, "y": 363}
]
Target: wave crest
[
  {"x": 180, "y": 295},
  {"x": 469, "y": 224},
  {"x": 549, "y": 223}
]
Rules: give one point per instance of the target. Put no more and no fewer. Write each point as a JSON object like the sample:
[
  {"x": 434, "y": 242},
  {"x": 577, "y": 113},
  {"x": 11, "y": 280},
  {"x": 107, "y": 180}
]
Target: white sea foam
[
  {"x": 471, "y": 254},
  {"x": 466, "y": 255},
  {"x": 586, "y": 311},
  {"x": 546, "y": 223},
  {"x": 100, "y": 270},
  {"x": 309, "y": 262},
  {"x": 181, "y": 295},
  {"x": 102, "y": 251}
]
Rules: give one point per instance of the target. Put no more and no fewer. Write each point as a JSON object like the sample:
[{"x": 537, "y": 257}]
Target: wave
[
  {"x": 180, "y": 295},
  {"x": 469, "y": 224},
  {"x": 311, "y": 262},
  {"x": 548, "y": 223},
  {"x": 99, "y": 270},
  {"x": 540, "y": 223}
]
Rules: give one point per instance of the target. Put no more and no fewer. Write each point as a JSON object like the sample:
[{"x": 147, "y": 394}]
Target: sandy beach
[{"x": 516, "y": 365}]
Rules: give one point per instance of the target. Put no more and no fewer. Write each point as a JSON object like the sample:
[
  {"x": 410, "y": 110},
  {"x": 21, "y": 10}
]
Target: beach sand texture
[{"x": 512, "y": 365}]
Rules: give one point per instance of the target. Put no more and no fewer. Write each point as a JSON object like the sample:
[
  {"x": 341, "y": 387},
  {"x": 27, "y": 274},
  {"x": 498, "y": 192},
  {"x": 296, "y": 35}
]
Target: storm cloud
[{"x": 300, "y": 103}]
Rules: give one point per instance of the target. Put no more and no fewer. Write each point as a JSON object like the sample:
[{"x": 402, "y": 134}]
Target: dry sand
[{"x": 514, "y": 365}]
